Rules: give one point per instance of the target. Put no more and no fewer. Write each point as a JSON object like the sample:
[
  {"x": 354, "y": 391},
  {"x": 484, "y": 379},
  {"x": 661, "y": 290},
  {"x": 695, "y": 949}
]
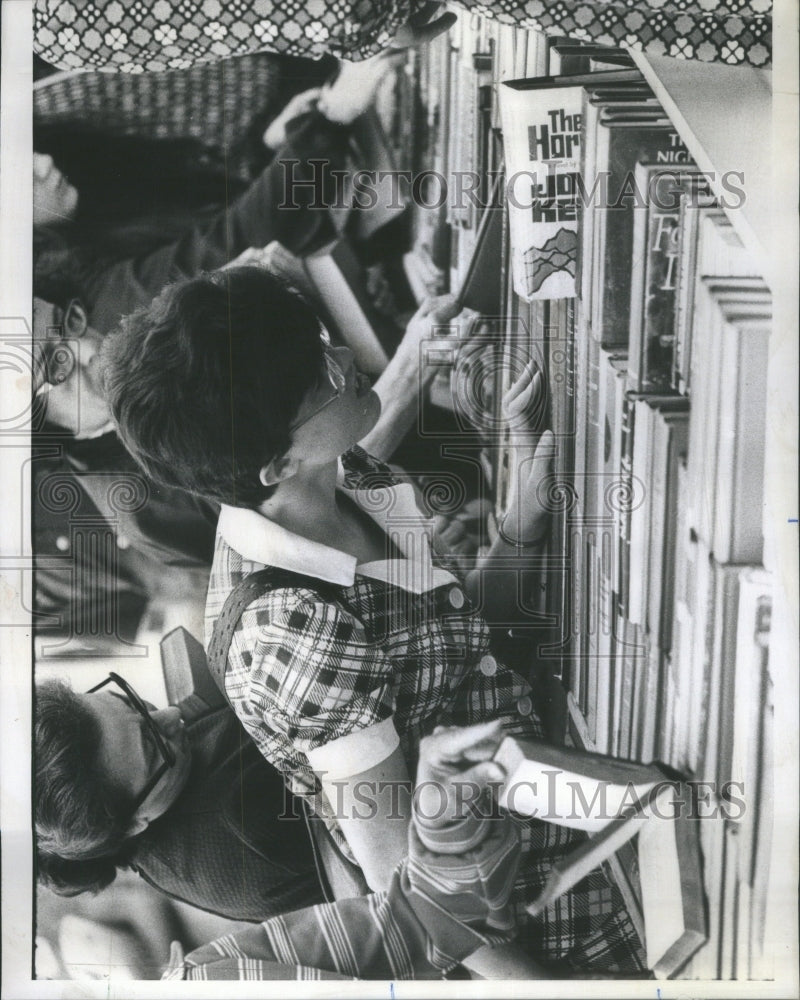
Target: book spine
[
  {"x": 579, "y": 731},
  {"x": 639, "y": 283},
  {"x": 739, "y": 488},
  {"x": 626, "y": 491},
  {"x": 656, "y": 332},
  {"x": 624, "y": 659},
  {"x": 748, "y": 722},
  {"x": 722, "y": 664},
  {"x": 649, "y": 707},
  {"x": 604, "y": 646},
  {"x": 667, "y": 698},
  {"x": 590, "y": 657},
  {"x": 683, "y": 295},
  {"x": 701, "y": 602},
  {"x": 677, "y": 446},
  {"x": 640, "y": 516}
]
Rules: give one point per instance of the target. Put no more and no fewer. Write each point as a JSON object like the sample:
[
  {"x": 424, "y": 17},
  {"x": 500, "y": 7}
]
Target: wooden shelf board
[{"x": 724, "y": 115}]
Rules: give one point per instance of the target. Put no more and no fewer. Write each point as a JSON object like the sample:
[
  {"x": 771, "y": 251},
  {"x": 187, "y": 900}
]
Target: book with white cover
[
  {"x": 568, "y": 787},
  {"x": 542, "y": 136}
]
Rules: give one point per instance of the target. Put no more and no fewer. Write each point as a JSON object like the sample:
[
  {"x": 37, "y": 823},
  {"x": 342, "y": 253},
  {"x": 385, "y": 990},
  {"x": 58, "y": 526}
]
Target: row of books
[
  {"x": 655, "y": 360},
  {"x": 669, "y": 600}
]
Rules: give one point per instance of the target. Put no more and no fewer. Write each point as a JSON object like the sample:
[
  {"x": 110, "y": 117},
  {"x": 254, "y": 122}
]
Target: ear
[
  {"x": 76, "y": 322},
  {"x": 137, "y": 825},
  {"x": 278, "y": 470}
]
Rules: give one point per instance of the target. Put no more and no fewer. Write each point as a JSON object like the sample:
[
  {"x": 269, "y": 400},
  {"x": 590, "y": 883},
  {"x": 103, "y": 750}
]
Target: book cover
[
  {"x": 673, "y": 896},
  {"x": 670, "y": 866},
  {"x": 569, "y": 787},
  {"x": 340, "y": 283},
  {"x": 481, "y": 287},
  {"x": 654, "y": 272},
  {"x": 621, "y": 145},
  {"x": 542, "y": 132}
]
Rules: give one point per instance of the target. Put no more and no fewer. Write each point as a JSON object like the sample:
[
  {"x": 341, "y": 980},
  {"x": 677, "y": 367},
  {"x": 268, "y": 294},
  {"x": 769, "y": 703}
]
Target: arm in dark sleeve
[
  {"x": 287, "y": 202},
  {"x": 439, "y": 908}
]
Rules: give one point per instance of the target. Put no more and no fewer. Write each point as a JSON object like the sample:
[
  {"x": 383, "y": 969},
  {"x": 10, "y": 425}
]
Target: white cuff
[{"x": 357, "y": 752}]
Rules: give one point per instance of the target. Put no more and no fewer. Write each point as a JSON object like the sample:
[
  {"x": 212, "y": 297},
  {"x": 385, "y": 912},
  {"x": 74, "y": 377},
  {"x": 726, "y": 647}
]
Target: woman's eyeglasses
[
  {"x": 336, "y": 376},
  {"x": 165, "y": 750}
]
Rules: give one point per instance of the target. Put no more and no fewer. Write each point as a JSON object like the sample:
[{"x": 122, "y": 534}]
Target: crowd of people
[{"x": 352, "y": 655}]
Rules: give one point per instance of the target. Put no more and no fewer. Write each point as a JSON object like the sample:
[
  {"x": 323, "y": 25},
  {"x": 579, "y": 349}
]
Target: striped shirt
[{"x": 439, "y": 908}]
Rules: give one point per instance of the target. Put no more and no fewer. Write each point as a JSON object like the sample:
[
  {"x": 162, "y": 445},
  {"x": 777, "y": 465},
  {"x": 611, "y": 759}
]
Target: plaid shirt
[{"x": 401, "y": 643}]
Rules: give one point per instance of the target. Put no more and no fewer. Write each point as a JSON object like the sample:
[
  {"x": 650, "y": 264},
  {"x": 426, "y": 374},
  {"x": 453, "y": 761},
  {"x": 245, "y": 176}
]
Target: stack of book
[
  {"x": 670, "y": 601},
  {"x": 652, "y": 340}
]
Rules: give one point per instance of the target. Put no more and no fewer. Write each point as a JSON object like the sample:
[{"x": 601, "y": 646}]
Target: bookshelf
[
  {"x": 724, "y": 115},
  {"x": 656, "y": 636}
]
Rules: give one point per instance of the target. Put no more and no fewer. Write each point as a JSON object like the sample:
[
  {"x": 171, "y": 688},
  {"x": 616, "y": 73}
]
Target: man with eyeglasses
[
  {"x": 163, "y": 538},
  {"x": 171, "y": 532},
  {"x": 188, "y": 803},
  {"x": 114, "y": 774}
]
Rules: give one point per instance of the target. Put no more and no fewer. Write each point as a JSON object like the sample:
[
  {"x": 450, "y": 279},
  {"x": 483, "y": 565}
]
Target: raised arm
[
  {"x": 401, "y": 384},
  {"x": 286, "y": 202}
]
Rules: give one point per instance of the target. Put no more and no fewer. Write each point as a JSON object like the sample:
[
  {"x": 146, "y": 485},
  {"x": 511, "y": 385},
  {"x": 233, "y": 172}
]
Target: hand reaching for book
[
  {"x": 523, "y": 403},
  {"x": 531, "y": 454},
  {"x": 455, "y": 768},
  {"x": 300, "y": 104},
  {"x": 428, "y": 22},
  {"x": 355, "y": 88},
  {"x": 357, "y": 84},
  {"x": 432, "y": 319}
]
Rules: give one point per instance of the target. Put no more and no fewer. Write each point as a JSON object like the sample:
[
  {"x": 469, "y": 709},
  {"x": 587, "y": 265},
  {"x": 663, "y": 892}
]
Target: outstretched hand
[
  {"x": 455, "y": 767},
  {"x": 523, "y": 401},
  {"x": 425, "y": 24},
  {"x": 432, "y": 319},
  {"x": 275, "y": 135},
  {"x": 355, "y": 88}
]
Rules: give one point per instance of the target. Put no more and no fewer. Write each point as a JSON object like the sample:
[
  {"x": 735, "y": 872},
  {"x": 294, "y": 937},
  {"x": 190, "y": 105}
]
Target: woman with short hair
[{"x": 363, "y": 639}]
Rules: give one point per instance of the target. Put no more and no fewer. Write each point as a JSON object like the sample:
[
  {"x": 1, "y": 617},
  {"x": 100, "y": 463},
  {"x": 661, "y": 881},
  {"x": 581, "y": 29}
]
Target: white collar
[
  {"x": 393, "y": 508},
  {"x": 105, "y": 429}
]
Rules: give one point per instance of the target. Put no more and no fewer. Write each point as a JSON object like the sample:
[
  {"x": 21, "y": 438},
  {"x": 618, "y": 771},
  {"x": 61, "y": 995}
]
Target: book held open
[{"x": 614, "y": 801}]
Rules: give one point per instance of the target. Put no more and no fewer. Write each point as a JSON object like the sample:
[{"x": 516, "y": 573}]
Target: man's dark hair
[
  {"x": 81, "y": 817},
  {"x": 205, "y": 383}
]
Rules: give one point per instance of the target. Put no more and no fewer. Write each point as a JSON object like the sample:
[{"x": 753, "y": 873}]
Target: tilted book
[
  {"x": 542, "y": 134},
  {"x": 636, "y": 800},
  {"x": 568, "y": 787}
]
